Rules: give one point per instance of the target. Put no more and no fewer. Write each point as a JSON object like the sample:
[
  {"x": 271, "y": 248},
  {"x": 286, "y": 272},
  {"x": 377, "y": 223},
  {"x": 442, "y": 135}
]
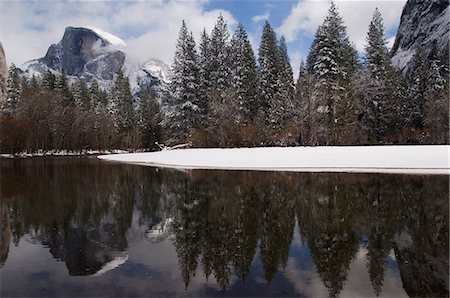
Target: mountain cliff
[
  {"x": 92, "y": 54},
  {"x": 423, "y": 23}
]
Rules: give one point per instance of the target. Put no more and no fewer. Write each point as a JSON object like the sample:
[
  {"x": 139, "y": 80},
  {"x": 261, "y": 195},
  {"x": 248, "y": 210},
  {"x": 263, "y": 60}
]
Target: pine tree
[
  {"x": 14, "y": 91},
  {"x": 269, "y": 68},
  {"x": 61, "y": 85},
  {"x": 219, "y": 65},
  {"x": 121, "y": 104},
  {"x": 286, "y": 75},
  {"x": 384, "y": 104},
  {"x": 436, "y": 107},
  {"x": 417, "y": 86},
  {"x": 332, "y": 61},
  {"x": 244, "y": 75},
  {"x": 48, "y": 80},
  {"x": 81, "y": 95},
  {"x": 184, "y": 112},
  {"x": 149, "y": 119},
  {"x": 303, "y": 105},
  {"x": 204, "y": 89}
]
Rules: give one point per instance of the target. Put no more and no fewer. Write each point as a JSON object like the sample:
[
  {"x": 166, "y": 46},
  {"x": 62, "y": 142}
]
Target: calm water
[{"x": 82, "y": 227}]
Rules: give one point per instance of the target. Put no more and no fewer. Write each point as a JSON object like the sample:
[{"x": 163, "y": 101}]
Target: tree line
[
  {"x": 48, "y": 113},
  {"x": 221, "y": 94}
]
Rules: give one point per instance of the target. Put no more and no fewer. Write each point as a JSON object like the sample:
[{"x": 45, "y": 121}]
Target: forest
[{"x": 222, "y": 95}]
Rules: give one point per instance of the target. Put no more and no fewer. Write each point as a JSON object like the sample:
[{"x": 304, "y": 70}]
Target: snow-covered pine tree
[
  {"x": 286, "y": 77},
  {"x": 303, "y": 105},
  {"x": 120, "y": 104},
  {"x": 269, "y": 69},
  {"x": 332, "y": 61},
  {"x": 220, "y": 64},
  {"x": 81, "y": 94},
  {"x": 436, "y": 108},
  {"x": 384, "y": 104},
  {"x": 244, "y": 75},
  {"x": 61, "y": 85},
  {"x": 13, "y": 91},
  {"x": 204, "y": 88},
  {"x": 48, "y": 80},
  {"x": 417, "y": 87},
  {"x": 183, "y": 111}
]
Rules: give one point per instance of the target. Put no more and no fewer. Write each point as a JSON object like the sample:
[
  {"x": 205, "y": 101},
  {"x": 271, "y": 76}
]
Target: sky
[{"x": 150, "y": 27}]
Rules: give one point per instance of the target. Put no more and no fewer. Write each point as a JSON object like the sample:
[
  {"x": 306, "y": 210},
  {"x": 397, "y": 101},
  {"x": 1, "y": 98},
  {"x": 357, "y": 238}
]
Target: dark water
[{"x": 82, "y": 227}]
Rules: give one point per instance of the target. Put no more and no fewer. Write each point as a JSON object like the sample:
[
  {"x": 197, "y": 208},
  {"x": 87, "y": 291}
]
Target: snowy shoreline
[{"x": 424, "y": 159}]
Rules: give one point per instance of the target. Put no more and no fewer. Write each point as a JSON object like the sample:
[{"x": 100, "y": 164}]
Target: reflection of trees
[
  {"x": 422, "y": 243},
  {"x": 277, "y": 225},
  {"x": 83, "y": 210},
  {"x": 76, "y": 207},
  {"x": 326, "y": 220}
]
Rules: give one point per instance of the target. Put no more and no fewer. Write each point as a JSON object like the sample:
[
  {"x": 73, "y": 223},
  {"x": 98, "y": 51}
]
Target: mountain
[
  {"x": 92, "y": 54},
  {"x": 423, "y": 23},
  {"x": 3, "y": 74}
]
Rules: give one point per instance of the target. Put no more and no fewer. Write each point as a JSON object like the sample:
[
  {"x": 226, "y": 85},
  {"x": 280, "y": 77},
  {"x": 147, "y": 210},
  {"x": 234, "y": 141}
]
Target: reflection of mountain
[
  {"x": 223, "y": 222},
  {"x": 87, "y": 251}
]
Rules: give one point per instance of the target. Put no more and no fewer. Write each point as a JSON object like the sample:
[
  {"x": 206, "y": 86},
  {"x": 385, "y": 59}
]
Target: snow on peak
[{"x": 112, "y": 39}]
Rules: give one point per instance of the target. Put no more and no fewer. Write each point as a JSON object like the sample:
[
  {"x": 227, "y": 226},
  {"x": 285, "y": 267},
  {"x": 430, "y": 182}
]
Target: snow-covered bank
[{"x": 376, "y": 159}]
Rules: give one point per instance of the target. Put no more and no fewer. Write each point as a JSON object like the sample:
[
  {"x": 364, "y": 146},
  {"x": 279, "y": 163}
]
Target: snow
[
  {"x": 112, "y": 39},
  {"x": 113, "y": 264},
  {"x": 431, "y": 159}
]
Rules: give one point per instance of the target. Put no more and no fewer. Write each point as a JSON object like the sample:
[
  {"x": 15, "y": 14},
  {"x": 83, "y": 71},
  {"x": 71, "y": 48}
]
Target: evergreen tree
[
  {"x": 219, "y": 65},
  {"x": 121, "y": 104},
  {"x": 332, "y": 61},
  {"x": 244, "y": 75},
  {"x": 204, "y": 89},
  {"x": 81, "y": 94},
  {"x": 184, "y": 112},
  {"x": 149, "y": 119},
  {"x": 384, "y": 107},
  {"x": 48, "y": 80},
  {"x": 62, "y": 85},
  {"x": 286, "y": 75},
  {"x": 436, "y": 107},
  {"x": 14, "y": 91},
  {"x": 269, "y": 68},
  {"x": 417, "y": 86},
  {"x": 303, "y": 105}
]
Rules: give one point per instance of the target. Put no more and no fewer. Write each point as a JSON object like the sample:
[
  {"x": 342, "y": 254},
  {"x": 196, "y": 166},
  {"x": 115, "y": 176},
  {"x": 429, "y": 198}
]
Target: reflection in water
[{"x": 225, "y": 224}]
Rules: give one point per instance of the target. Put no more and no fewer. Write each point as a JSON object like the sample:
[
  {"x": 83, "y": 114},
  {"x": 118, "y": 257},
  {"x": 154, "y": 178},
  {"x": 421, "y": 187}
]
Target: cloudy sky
[{"x": 150, "y": 27}]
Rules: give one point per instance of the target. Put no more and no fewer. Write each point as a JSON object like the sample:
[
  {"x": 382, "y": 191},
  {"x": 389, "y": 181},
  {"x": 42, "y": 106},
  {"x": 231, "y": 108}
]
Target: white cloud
[
  {"x": 306, "y": 16},
  {"x": 261, "y": 17},
  {"x": 295, "y": 57},
  {"x": 149, "y": 28}
]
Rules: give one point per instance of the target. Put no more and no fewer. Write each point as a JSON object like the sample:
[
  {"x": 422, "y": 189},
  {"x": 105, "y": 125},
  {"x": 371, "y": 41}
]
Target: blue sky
[{"x": 150, "y": 27}]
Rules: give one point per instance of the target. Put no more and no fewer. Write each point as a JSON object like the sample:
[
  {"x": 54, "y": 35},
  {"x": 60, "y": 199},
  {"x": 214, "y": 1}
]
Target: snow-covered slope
[
  {"x": 423, "y": 23},
  {"x": 112, "y": 39},
  {"x": 152, "y": 73},
  {"x": 392, "y": 159}
]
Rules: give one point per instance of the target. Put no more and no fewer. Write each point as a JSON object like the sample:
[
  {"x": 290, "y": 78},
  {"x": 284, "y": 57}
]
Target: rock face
[
  {"x": 3, "y": 75},
  {"x": 92, "y": 54},
  {"x": 423, "y": 23}
]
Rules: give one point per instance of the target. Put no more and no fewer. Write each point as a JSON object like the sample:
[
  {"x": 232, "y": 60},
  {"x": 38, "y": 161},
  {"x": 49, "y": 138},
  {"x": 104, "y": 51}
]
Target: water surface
[{"x": 83, "y": 227}]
